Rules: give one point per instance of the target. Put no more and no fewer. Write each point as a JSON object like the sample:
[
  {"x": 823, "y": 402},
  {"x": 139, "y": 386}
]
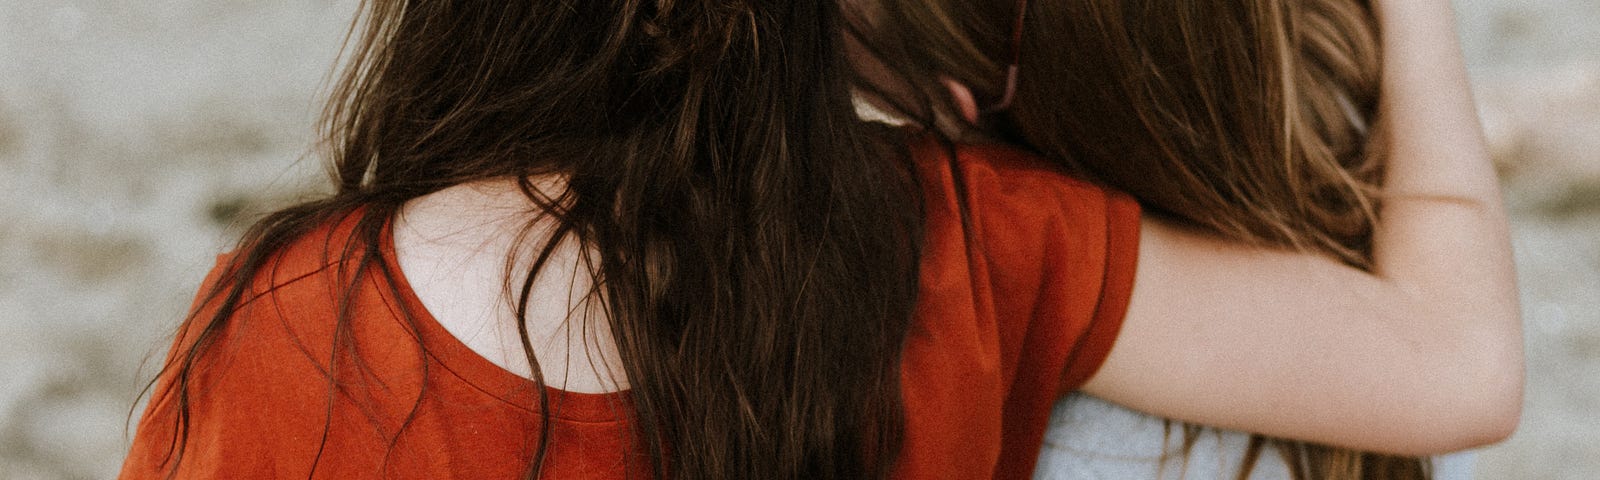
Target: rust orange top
[{"x": 1009, "y": 318}]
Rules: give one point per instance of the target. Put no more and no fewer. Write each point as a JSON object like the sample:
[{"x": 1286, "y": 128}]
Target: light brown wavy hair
[{"x": 1249, "y": 119}]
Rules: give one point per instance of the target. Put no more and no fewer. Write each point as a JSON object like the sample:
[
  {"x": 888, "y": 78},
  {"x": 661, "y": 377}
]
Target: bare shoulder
[
  {"x": 464, "y": 213},
  {"x": 464, "y": 249}
]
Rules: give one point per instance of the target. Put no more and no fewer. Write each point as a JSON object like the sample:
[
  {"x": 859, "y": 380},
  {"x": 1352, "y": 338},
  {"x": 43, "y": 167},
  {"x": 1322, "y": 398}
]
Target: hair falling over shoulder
[
  {"x": 755, "y": 244},
  {"x": 1251, "y": 119}
]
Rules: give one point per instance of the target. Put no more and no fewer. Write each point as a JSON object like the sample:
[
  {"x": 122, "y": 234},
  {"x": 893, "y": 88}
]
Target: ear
[{"x": 966, "y": 105}]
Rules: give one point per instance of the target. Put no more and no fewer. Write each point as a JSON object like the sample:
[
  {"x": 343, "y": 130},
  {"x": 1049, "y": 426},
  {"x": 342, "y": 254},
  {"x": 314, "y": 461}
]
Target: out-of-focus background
[{"x": 132, "y": 134}]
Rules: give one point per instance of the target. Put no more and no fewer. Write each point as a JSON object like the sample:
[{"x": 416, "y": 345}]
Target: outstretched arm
[{"x": 1422, "y": 355}]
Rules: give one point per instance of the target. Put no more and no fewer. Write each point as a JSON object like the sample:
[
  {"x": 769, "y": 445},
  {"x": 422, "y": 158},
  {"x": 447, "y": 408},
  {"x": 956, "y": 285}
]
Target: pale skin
[
  {"x": 452, "y": 247},
  {"x": 1421, "y": 356}
]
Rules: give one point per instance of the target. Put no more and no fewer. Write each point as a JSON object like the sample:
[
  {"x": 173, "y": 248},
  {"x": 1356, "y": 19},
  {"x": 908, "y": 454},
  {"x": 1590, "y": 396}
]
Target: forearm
[
  {"x": 1443, "y": 235},
  {"x": 1433, "y": 138}
]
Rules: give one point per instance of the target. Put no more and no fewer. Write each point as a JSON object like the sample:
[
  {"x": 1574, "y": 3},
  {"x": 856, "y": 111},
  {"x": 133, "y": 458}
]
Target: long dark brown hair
[
  {"x": 1246, "y": 118},
  {"x": 755, "y": 245}
]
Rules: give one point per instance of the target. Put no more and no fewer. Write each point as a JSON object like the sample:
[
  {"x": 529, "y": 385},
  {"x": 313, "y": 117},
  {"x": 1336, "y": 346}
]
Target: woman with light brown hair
[{"x": 1272, "y": 123}]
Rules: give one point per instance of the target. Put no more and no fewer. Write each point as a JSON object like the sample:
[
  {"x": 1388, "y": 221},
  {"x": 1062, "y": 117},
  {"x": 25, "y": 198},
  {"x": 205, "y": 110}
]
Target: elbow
[
  {"x": 1498, "y": 428},
  {"x": 1476, "y": 392},
  {"x": 1445, "y": 415},
  {"x": 1493, "y": 406},
  {"x": 1484, "y": 427},
  {"x": 1466, "y": 393},
  {"x": 1493, "y": 416},
  {"x": 1483, "y": 408},
  {"x": 1465, "y": 424}
]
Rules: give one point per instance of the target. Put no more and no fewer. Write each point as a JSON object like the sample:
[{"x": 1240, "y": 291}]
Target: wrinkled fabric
[{"x": 1018, "y": 305}]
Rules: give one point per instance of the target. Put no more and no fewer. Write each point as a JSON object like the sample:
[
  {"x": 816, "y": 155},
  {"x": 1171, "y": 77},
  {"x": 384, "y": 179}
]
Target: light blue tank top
[{"x": 1091, "y": 439}]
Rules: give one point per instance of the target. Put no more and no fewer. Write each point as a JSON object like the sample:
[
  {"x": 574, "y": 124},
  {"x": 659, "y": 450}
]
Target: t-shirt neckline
[{"x": 462, "y": 362}]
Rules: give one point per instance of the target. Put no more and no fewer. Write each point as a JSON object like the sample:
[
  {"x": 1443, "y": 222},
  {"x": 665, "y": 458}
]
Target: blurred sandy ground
[{"x": 133, "y": 133}]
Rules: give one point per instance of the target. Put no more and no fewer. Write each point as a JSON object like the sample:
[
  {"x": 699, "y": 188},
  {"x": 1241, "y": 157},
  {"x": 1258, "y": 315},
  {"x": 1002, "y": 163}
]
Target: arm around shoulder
[
  {"x": 1304, "y": 347},
  {"x": 1422, "y": 355}
]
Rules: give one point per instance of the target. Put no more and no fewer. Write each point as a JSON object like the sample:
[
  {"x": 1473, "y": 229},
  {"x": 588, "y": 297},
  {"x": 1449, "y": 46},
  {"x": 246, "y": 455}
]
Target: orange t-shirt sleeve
[
  {"x": 153, "y": 447},
  {"x": 285, "y": 390},
  {"x": 1026, "y": 274},
  {"x": 1122, "y": 254},
  {"x": 1060, "y": 254}
]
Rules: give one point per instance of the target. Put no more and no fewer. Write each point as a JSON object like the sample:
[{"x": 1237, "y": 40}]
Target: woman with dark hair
[
  {"x": 629, "y": 239},
  {"x": 1259, "y": 122},
  {"x": 651, "y": 239}
]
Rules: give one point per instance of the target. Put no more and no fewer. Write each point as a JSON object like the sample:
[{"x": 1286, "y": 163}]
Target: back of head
[
  {"x": 755, "y": 249},
  {"x": 1246, "y": 118}
]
